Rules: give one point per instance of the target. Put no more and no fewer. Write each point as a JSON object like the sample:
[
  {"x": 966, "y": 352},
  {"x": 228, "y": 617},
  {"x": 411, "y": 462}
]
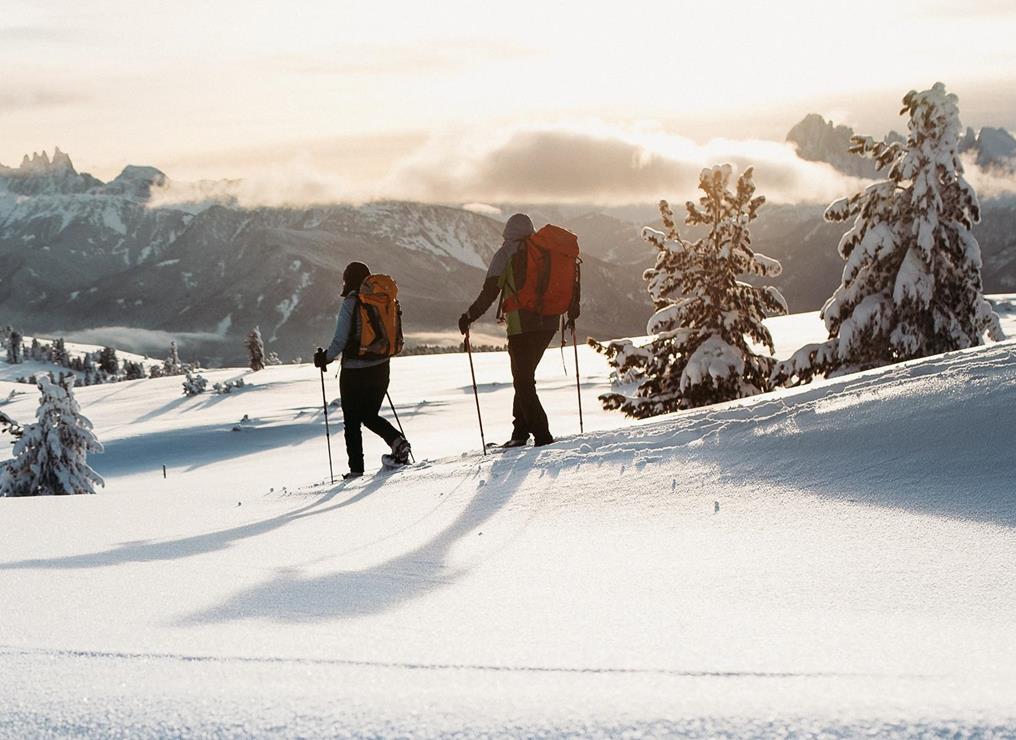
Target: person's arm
[
  {"x": 491, "y": 284},
  {"x": 343, "y": 327}
]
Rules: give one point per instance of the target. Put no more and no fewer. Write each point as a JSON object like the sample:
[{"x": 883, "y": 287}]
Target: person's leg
[
  {"x": 373, "y": 397},
  {"x": 529, "y": 351},
  {"x": 516, "y": 353},
  {"x": 350, "y": 390}
]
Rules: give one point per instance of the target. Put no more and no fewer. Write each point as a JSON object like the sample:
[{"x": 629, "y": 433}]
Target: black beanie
[{"x": 354, "y": 275}]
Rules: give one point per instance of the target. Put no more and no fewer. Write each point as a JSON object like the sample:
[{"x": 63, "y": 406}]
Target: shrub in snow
[
  {"x": 911, "y": 286},
  {"x": 9, "y": 426},
  {"x": 256, "y": 349},
  {"x": 273, "y": 359},
  {"x": 699, "y": 352},
  {"x": 51, "y": 457},
  {"x": 194, "y": 384},
  {"x": 229, "y": 386}
]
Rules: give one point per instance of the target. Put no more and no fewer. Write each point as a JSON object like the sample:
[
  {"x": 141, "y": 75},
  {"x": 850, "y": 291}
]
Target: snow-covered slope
[{"x": 837, "y": 559}]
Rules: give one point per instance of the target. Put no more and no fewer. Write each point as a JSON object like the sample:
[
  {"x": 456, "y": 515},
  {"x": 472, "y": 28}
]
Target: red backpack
[{"x": 545, "y": 272}]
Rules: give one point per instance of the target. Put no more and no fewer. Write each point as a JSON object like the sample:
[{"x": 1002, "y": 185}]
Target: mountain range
[{"x": 83, "y": 257}]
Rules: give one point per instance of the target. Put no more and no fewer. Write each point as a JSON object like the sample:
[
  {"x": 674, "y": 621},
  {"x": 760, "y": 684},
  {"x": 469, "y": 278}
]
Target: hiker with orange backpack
[
  {"x": 368, "y": 333},
  {"x": 536, "y": 275}
]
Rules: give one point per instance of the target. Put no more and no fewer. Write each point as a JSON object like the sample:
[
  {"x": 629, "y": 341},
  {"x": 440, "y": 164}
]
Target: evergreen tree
[
  {"x": 36, "y": 350},
  {"x": 171, "y": 365},
  {"x": 58, "y": 354},
  {"x": 699, "y": 351},
  {"x": 911, "y": 286},
  {"x": 108, "y": 361},
  {"x": 133, "y": 370},
  {"x": 51, "y": 457},
  {"x": 256, "y": 349},
  {"x": 14, "y": 348},
  {"x": 272, "y": 358}
]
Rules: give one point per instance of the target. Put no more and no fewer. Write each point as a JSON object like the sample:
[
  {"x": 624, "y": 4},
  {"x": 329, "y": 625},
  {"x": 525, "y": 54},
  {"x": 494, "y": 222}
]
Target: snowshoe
[
  {"x": 402, "y": 451},
  {"x": 390, "y": 462}
]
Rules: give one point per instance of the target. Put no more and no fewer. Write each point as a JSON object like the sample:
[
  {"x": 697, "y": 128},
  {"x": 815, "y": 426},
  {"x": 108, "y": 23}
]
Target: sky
[{"x": 367, "y": 98}]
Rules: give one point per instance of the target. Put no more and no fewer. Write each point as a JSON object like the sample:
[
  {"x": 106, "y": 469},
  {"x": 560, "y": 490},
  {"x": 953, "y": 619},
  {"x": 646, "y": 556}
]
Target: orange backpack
[
  {"x": 545, "y": 272},
  {"x": 380, "y": 319}
]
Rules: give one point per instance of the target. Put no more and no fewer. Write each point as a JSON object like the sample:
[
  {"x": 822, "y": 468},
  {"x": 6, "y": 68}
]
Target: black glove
[
  {"x": 464, "y": 322},
  {"x": 320, "y": 359}
]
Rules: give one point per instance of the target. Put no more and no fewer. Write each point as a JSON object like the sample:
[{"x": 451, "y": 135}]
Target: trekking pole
[
  {"x": 578, "y": 385},
  {"x": 328, "y": 433},
  {"x": 476, "y": 393},
  {"x": 396, "y": 415}
]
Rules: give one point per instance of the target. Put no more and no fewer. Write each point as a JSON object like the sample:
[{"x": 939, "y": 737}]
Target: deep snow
[{"x": 857, "y": 576}]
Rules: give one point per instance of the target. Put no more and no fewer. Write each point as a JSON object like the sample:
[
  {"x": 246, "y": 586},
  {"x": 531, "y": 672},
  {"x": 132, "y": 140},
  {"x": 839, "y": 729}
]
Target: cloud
[
  {"x": 13, "y": 100},
  {"x": 995, "y": 182},
  {"x": 483, "y": 209},
  {"x": 138, "y": 340},
  {"x": 602, "y": 165},
  {"x": 297, "y": 184}
]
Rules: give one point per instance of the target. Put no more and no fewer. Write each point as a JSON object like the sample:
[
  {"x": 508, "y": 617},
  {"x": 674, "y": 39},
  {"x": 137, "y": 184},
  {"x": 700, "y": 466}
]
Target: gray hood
[{"x": 518, "y": 228}]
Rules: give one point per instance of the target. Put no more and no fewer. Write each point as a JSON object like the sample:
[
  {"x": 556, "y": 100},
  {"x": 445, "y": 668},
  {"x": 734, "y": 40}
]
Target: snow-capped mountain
[
  {"x": 77, "y": 253},
  {"x": 819, "y": 140}
]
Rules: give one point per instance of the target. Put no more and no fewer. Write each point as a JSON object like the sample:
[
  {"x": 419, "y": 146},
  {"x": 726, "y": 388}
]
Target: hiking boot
[
  {"x": 352, "y": 474},
  {"x": 542, "y": 442},
  {"x": 514, "y": 442},
  {"x": 401, "y": 450}
]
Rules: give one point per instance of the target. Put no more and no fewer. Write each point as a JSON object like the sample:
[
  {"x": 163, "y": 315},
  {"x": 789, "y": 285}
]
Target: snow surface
[{"x": 857, "y": 576}]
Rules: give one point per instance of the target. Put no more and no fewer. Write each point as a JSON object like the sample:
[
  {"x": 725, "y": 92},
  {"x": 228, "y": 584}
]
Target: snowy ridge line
[
  {"x": 412, "y": 666},
  {"x": 683, "y": 428}
]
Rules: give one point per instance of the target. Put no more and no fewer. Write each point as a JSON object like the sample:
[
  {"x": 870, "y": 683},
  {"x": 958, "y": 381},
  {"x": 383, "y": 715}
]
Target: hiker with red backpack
[
  {"x": 368, "y": 333},
  {"x": 536, "y": 275}
]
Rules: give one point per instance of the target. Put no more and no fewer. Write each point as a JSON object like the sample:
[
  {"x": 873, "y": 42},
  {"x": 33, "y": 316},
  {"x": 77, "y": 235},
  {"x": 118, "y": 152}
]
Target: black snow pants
[
  {"x": 363, "y": 390},
  {"x": 525, "y": 351}
]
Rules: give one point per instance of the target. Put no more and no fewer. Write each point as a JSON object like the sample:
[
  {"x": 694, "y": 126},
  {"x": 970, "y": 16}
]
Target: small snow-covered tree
[
  {"x": 171, "y": 365},
  {"x": 36, "y": 350},
  {"x": 108, "y": 361},
  {"x": 51, "y": 457},
  {"x": 194, "y": 384},
  {"x": 700, "y": 348},
  {"x": 15, "y": 353},
  {"x": 272, "y": 358},
  {"x": 256, "y": 349},
  {"x": 58, "y": 354},
  {"x": 911, "y": 286}
]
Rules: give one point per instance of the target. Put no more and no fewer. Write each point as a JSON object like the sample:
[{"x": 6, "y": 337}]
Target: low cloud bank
[
  {"x": 604, "y": 166},
  {"x": 593, "y": 164},
  {"x": 144, "y": 341}
]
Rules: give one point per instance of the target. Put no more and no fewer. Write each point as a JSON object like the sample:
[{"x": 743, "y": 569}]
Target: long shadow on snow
[
  {"x": 288, "y": 597},
  {"x": 185, "y": 547},
  {"x": 916, "y": 451},
  {"x": 196, "y": 447}
]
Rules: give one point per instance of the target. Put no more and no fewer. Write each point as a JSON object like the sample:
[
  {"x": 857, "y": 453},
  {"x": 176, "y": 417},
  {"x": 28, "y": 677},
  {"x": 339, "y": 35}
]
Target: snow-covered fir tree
[
  {"x": 58, "y": 354},
  {"x": 108, "y": 362},
  {"x": 911, "y": 286},
  {"x": 15, "y": 353},
  {"x": 700, "y": 348},
  {"x": 256, "y": 349},
  {"x": 194, "y": 384},
  {"x": 171, "y": 365},
  {"x": 51, "y": 457}
]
